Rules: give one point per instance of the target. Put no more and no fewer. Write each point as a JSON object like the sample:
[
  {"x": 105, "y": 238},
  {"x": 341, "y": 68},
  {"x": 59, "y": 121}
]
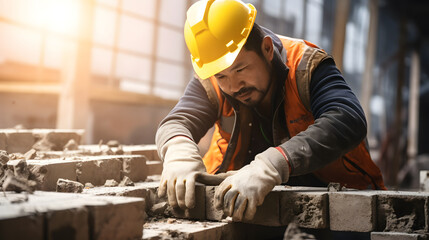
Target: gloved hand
[
  {"x": 239, "y": 195},
  {"x": 182, "y": 162}
]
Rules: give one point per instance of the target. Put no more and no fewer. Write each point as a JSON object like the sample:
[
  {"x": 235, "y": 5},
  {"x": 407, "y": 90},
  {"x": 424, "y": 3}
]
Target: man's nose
[{"x": 236, "y": 84}]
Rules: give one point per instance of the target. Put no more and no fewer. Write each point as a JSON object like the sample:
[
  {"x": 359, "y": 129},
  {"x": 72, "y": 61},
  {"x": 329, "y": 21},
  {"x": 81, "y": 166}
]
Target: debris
[
  {"x": 171, "y": 220},
  {"x": 21, "y": 169},
  {"x": 89, "y": 185},
  {"x": 126, "y": 181},
  {"x": 111, "y": 183},
  {"x": 334, "y": 187},
  {"x": 4, "y": 158},
  {"x": 294, "y": 233},
  {"x": 158, "y": 208},
  {"x": 113, "y": 143},
  {"x": 17, "y": 183},
  {"x": 65, "y": 185},
  {"x": 31, "y": 154},
  {"x": 16, "y": 156},
  {"x": 71, "y": 145},
  {"x": 44, "y": 145}
]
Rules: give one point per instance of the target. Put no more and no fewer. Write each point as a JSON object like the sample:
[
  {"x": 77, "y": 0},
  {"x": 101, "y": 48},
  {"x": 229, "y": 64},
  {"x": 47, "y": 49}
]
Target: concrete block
[
  {"x": 424, "y": 179},
  {"x": 159, "y": 206},
  {"x": 140, "y": 190},
  {"x": 150, "y": 151},
  {"x": 352, "y": 211},
  {"x": 47, "y": 172},
  {"x": 185, "y": 229},
  {"x": 402, "y": 211},
  {"x": 65, "y": 185},
  {"x": 19, "y": 141},
  {"x": 306, "y": 206},
  {"x": 3, "y": 141},
  {"x": 269, "y": 213},
  {"x": 98, "y": 169},
  {"x": 198, "y": 212},
  {"x": 76, "y": 216},
  {"x": 15, "y": 224},
  {"x": 211, "y": 212},
  {"x": 134, "y": 167},
  {"x": 397, "y": 236},
  {"x": 116, "y": 218},
  {"x": 55, "y": 139},
  {"x": 154, "y": 167}
]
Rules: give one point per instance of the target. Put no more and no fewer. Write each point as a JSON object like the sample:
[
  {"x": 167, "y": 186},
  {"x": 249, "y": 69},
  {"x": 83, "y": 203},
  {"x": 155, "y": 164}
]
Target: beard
[{"x": 255, "y": 95}]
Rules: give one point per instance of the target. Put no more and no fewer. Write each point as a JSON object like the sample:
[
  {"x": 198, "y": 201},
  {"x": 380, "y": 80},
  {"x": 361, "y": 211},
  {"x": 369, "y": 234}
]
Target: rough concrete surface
[
  {"x": 97, "y": 170},
  {"x": 65, "y": 185},
  {"x": 19, "y": 141},
  {"x": 397, "y": 236},
  {"x": 305, "y": 206},
  {"x": 184, "y": 229},
  {"x": 135, "y": 167},
  {"x": 352, "y": 211},
  {"x": 154, "y": 167},
  {"x": 71, "y": 216},
  {"x": 47, "y": 172},
  {"x": 401, "y": 212},
  {"x": 3, "y": 141}
]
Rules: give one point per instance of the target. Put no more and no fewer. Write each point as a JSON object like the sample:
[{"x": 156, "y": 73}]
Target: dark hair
[{"x": 254, "y": 41}]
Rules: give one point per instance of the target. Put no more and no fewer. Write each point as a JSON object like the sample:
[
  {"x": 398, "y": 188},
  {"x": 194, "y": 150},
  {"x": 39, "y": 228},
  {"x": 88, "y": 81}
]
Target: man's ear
[{"x": 267, "y": 48}]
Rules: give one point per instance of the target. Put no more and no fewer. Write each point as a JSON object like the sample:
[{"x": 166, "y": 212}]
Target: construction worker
[{"x": 282, "y": 111}]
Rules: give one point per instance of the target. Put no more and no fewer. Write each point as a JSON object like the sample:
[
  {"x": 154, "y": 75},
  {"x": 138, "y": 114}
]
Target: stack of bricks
[
  {"x": 102, "y": 212},
  {"x": 50, "y": 215}
]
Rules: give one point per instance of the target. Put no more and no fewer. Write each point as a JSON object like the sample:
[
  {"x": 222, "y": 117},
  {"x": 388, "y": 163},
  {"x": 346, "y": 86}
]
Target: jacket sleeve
[
  {"x": 192, "y": 116},
  {"x": 339, "y": 125}
]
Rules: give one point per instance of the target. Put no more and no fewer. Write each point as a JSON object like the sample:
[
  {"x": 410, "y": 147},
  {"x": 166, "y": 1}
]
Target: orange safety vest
[{"x": 231, "y": 138}]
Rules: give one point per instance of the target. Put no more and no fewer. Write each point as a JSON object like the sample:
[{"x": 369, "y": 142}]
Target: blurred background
[{"x": 116, "y": 67}]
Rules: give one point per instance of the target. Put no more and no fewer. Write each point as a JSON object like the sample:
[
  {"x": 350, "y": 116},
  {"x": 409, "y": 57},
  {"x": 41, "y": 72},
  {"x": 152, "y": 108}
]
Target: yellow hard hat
[{"x": 215, "y": 31}]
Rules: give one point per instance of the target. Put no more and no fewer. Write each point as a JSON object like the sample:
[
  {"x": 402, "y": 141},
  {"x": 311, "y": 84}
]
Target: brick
[
  {"x": 65, "y": 185},
  {"x": 424, "y": 179},
  {"x": 150, "y": 151},
  {"x": 47, "y": 172},
  {"x": 185, "y": 229},
  {"x": 306, "y": 206},
  {"x": 134, "y": 167},
  {"x": 3, "y": 141},
  {"x": 397, "y": 236},
  {"x": 98, "y": 169},
  {"x": 81, "y": 216},
  {"x": 198, "y": 212},
  {"x": 211, "y": 212},
  {"x": 269, "y": 213},
  {"x": 55, "y": 139},
  {"x": 19, "y": 141},
  {"x": 140, "y": 190},
  {"x": 352, "y": 211},
  {"x": 154, "y": 167},
  {"x": 402, "y": 211},
  {"x": 12, "y": 221},
  {"x": 70, "y": 222},
  {"x": 116, "y": 218}
]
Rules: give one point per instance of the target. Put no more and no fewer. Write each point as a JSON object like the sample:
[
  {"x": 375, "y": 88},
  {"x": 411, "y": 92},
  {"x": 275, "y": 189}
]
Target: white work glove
[
  {"x": 239, "y": 195},
  {"x": 182, "y": 162}
]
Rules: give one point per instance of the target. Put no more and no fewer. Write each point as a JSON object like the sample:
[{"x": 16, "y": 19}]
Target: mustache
[{"x": 243, "y": 91}]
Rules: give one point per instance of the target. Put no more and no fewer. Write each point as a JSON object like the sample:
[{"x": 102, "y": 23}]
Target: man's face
[{"x": 247, "y": 79}]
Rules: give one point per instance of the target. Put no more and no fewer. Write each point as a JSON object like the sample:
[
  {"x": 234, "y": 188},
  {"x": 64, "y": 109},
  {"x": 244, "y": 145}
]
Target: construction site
[{"x": 85, "y": 84}]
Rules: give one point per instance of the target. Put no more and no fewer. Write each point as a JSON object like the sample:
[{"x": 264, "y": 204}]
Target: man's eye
[{"x": 241, "y": 69}]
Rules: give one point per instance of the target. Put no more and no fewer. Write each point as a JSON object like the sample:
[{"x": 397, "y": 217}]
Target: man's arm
[
  {"x": 339, "y": 125},
  {"x": 177, "y": 139},
  {"x": 193, "y": 115}
]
